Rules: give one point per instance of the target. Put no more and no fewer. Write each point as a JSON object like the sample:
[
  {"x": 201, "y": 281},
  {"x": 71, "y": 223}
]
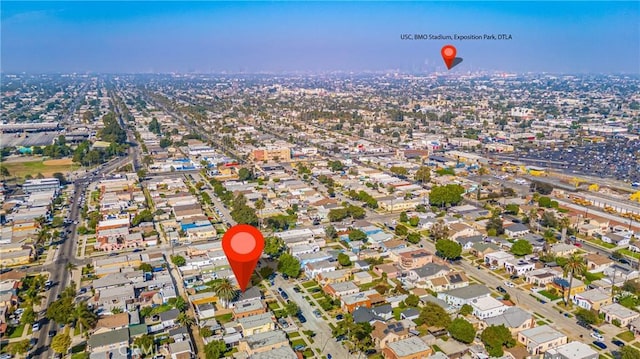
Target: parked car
[
  {"x": 501, "y": 290},
  {"x": 597, "y": 336},
  {"x": 35, "y": 327},
  {"x": 509, "y": 284},
  {"x": 301, "y": 318},
  {"x": 600, "y": 345},
  {"x": 52, "y": 333},
  {"x": 317, "y": 313},
  {"x": 617, "y": 342},
  {"x": 339, "y": 317}
]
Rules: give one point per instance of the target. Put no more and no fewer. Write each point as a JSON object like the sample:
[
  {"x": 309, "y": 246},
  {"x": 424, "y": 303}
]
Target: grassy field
[
  {"x": 626, "y": 336},
  {"x": 46, "y": 168}
]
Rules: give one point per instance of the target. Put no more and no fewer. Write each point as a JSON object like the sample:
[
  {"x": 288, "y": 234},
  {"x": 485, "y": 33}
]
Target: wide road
[
  {"x": 320, "y": 327},
  {"x": 65, "y": 254}
]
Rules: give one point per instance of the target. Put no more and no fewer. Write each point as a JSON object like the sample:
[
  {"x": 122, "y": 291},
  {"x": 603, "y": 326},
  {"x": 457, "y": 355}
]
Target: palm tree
[
  {"x": 260, "y": 207},
  {"x": 185, "y": 320},
  {"x": 84, "y": 317},
  {"x": 575, "y": 265},
  {"x": 225, "y": 290},
  {"x": 70, "y": 267}
]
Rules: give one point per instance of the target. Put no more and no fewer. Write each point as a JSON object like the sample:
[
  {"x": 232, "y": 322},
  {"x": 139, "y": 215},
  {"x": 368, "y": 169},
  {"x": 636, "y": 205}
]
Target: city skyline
[{"x": 214, "y": 37}]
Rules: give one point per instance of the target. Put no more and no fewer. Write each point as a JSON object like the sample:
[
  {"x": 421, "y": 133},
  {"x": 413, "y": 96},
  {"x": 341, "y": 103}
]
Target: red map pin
[
  {"x": 243, "y": 245},
  {"x": 448, "y": 55}
]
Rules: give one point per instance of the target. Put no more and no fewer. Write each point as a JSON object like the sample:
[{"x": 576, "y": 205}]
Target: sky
[{"x": 149, "y": 36}]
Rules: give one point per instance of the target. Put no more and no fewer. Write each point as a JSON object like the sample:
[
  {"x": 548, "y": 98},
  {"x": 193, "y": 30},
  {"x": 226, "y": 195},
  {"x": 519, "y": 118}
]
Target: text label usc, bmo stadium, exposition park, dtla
[{"x": 456, "y": 37}]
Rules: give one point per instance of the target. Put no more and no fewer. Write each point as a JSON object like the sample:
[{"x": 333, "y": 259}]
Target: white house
[
  {"x": 519, "y": 266},
  {"x": 461, "y": 296},
  {"x": 516, "y": 230},
  {"x": 620, "y": 239},
  {"x": 486, "y": 307},
  {"x": 498, "y": 258}
]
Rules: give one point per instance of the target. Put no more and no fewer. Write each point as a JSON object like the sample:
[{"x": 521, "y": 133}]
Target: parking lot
[{"x": 615, "y": 158}]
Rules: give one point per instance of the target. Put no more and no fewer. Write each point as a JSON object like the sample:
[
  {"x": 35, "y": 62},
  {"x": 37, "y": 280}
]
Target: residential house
[
  {"x": 415, "y": 259},
  {"x": 249, "y": 308},
  {"x": 620, "y": 273},
  {"x": 181, "y": 350},
  {"x": 169, "y": 318},
  {"x": 593, "y": 299},
  {"x": 597, "y": 263},
  {"x": 498, "y": 258},
  {"x": 259, "y": 323},
  {"x": 481, "y": 249},
  {"x": 518, "y": 266},
  {"x": 617, "y": 313},
  {"x": 572, "y": 350},
  {"x": 514, "y": 318},
  {"x": 337, "y": 290},
  {"x": 410, "y": 314},
  {"x": 461, "y": 296},
  {"x": 538, "y": 340},
  {"x": 561, "y": 285},
  {"x": 391, "y": 270},
  {"x": 263, "y": 342},
  {"x": 419, "y": 276},
  {"x": 409, "y": 348},
  {"x": 353, "y": 301},
  {"x": 516, "y": 230},
  {"x": 619, "y": 239},
  {"x": 460, "y": 230},
  {"x": 365, "y": 315},
  {"x": 468, "y": 242},
  {"x": 109, "y": 340},
  {"x": 542, "y": 276},
  {"x": 562, "y": 249},
  {"x": 449, "y": 281},
  {"x": 384, "y": 311},
  {"x": 385, "y": 333},
  {"x": 487, "y": 306}
]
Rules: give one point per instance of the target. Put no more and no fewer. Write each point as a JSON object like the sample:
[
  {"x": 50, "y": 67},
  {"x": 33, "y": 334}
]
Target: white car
[
  {"x": 35, "y": 327},
  {"x": 597, "y": 336},
  {"x": 510, "y": 284}
]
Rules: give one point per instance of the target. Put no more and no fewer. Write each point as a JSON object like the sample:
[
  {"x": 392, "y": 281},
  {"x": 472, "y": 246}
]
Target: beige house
[
  {"x": 597, "y": 263},
  {"x": 538, "y": 340},
  {"x": 616, "y": 312},
  {"x": 515, "y": 319}
]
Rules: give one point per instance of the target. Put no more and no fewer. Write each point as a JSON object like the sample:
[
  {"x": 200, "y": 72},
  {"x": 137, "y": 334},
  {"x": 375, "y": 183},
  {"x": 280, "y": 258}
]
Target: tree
[
  {"x": 466, "y": 309},
  {"x": 423, "y": 174},
  {"x": 494, "y": 224},
  {"x": 206, "y": 332},
  {"x": 412, "y": 300},
  {"x": 575, "y": 265},
  {"x": 61, "y": 310},
  {"x": 291, "y": 308},
  {"x": 273, "y": 246},
  {"x": 587, "y": 316},
  {"x": 413, "y": 238},
  {"x": 461, "y": 330},
  {"x": 439, "y": 230},
  {"x": 20, "y": 347},
  {"x": 143, "y": 216},
  {"x": 521, "y": 247},
  {"x": 495, "y": 337},
  {"x": 399, "y": 171},
  {"x": 146, "y": 267},
  {"x": 414, "y": 221},
  {"x": 448, "y": 249},
  {"x": 60, "y": 177},
  {"x": 434, "y": 315},
  {"x": 330, "y": 232},
  {"x": 28, "y": 316},
  {"x": 154, "y": 126},
  {"x": 403, "y": 217},
  {"x": 401, "y": 230},
  {"x": 450, "y": 194},
  {"x": 512, "y": 208},
  {"x": 628, "y": 352},
  {"x": 225, "y": 290},
  {"x": 4, "y": 171},
  {"x": 145, "y": 343},
  {"x": 544, "y": 201},
  {"x": 245, "y": 174},
  {"x": 357, "y": 235},
  {"x": 289, "y": 265},
  {"x": 84, "y": 317},
  {"x": 185, "y": 320},
  {"x": 335, "y": 166},
  {"x": 215, "y": 349},
  {"x": 178, "y": 260},
  {"x": 344, "y": 260},
  {"x": 61, "y": 343},
  {"x": 180, "y": 304}
]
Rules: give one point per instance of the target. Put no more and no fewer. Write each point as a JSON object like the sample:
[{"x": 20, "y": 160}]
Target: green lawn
[
  {"x": 630, "y": 253},
  {"x": 601, "y": 243},
  {"x": 298, "y": 342},
  {"x": 626, "y": 336},
  {"x": 309, "y": 284},
  {"x": 294, "y": 335},
  {"x": 549, "y": 295},
  {"x": 16, "y": 332},
  {"x": 274, "y": 306},
  {"x": 318, "y": 295},
  {"x": 224, "y": 318}
]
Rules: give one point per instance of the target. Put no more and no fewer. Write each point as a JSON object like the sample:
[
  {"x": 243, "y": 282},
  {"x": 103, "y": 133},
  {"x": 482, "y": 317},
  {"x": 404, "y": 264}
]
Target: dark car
[
  {"x": 600, "y": 345},
  {"x": 617, "y": 342},
  {"x": 501, "y": 290},
  {"x": 296, "y": 289},
  {"x": 585, "y": 325},
  {"x": 301, "y": 318},
  {"x": 52, "y": 333},
  {"x": 339, "y": 317}
]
